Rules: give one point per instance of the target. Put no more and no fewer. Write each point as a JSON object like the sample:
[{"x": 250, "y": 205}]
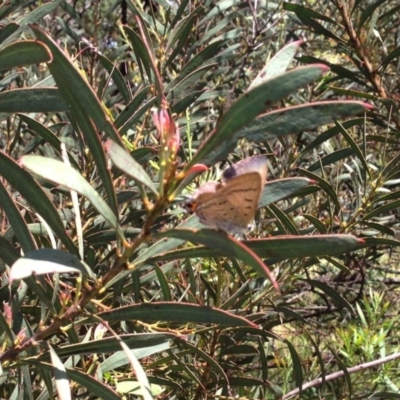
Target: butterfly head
[{"x": 190, "y": 205}]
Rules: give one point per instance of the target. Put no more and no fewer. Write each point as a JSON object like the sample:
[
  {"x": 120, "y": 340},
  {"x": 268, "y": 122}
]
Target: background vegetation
[{"x": 92, "y": 181}]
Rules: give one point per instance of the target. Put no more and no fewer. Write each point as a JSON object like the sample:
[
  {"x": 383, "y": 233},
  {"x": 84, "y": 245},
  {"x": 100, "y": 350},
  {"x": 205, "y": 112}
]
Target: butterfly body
[{"x": 230, "y": 205}]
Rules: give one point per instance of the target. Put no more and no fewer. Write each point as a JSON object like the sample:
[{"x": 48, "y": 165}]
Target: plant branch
[{"x": 339, "y": 374}]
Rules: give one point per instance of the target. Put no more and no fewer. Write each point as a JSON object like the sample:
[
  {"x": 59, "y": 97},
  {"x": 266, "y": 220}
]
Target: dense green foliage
[{"x": 109, "y": 115}]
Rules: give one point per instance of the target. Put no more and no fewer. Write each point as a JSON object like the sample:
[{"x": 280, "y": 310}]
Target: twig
[{"x": 335, "y": 375}]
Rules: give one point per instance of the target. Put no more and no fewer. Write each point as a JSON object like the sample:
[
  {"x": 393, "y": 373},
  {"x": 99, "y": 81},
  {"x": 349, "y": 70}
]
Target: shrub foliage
[{"x": 112, "y": 113}]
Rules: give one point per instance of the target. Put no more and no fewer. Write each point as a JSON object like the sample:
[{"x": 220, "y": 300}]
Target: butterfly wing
[
  {"x": 252, "y": 164},
  {"x": 243, "y": 193},
  {"x": 231, "y": 207}
]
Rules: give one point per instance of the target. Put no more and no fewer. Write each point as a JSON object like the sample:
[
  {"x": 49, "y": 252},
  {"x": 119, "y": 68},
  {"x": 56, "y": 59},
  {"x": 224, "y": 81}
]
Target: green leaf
[
  {"x": 355, "y": 148},
  {"x": 278, "y": 64},
  {"x": 297, "y": 367},
  {"x": 324, "y": 186},
  {"x": 219, "y": 8},
  {"x": 300, "y": 118},
  {"x": 279, "y": 247},
  {"x": 23, "y": 53},
  {"x": 7, "y": 252},
  {"x": 308, "y": 16},
  {"x": 132, "y": 107},
  {"x": 331, "y": 158},
  {"x": 126, "y": 163},
  {"x": 23, "y": 182},
  {"x": 62, "y": 174},
  {"x": 199, "y": 59},
  {"x": 283, "y": 219},
  {"x": 144, "y": 385},
  {"x": 8, "y": 30},
  {"x": 32, "y": 100},
  {"x": 210, "y": 361},
  {"x": 181, "y": 33},
  {"x": 137, "y": 341},
  {"x": 117, "y": 77},
  {"x": 15, "y": 219},
  {"x": 333, "y": 294},
  {"x": 367, "y": 13},
  {"x": 382, "y": 209},
  {"x": 390, "y": 57},
  {"x": 119, "y": 359},
  {"x": 189, "y": 80},
  {"x": 76, "y": 91},
  {"x": 250, "y": 105},
  {"x": 47, "y": 135},
  {"x": 328, "y": 134},
  {"x": 142, "y": 57},
  {"x": 227, "y": 245},
  {"x": 279, "y": 189},
  {"x": 47, "y": 261},
  {"x": 61, "y": 377},
  {"x": 174, "y": 312},
  {"x": 94, "y": 386}
]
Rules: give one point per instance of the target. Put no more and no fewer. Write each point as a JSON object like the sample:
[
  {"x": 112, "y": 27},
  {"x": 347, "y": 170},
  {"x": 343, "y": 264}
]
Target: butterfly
[{"x": 230, "y": 205}]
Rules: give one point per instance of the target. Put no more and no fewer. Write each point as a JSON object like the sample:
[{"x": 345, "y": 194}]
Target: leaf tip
[{"x": 368, "y": 106}]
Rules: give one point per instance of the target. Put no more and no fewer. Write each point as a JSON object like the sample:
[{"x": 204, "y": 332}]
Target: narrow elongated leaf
[
  {"x": 300, "y": 118},
  {"x": 279, "y": 247},
  {"x": 117, "y": 77},
  {"x": 32, "y": 100},
  {"x": 324, "y": 186},
  {"x": 283, "y": 219},
  {"x": 333, "y": 294},
  {"x": 142, "y": 56},
  {"x": 62, "y": 174},
  {"x": 279, "y": 189},
  {"x": 85, "y": 108},
  {"x": 308, "y": 17},
  {"x": 8, "y": 29},
  {"x": 130, "y": 110},
  {"x": 278, "y": 64},
  {"x": 367, "y": 13},
  {"x": 250, "y": 105},
  {"x": 328, "y": 134},
  {"x": 23, "y": 182},
  {"x": 15, "y": 219},
  {"x": 331, "y": 158},
  {"x": 145, "y": 390},
  {"x": 110, "y": 344},
  {"x": 23, "y": 53},
  {"x": 382, "y": 209},
  {"x": 60, "y": 374},
  {"x": 227, "y": 244},
  {"x": 94, "y": 386},
  {"x": 219, "y": 8},
  {"x": 190, "y": 80},
  {"x": 204, "y": 56},
  {"x": 35, "y": 15},
  {"x": 290, "y": 120},
  {"x": 218, "y": 369},
  {"x": 391, "y": 56},
  {"x": 38, "y": 13},
  {"x": 175, "y": 312},
  {"x": 47, "y": 261},
  {"x": 77, "y": 93},
  {"x": 355, "y": 148},
  {"x": 124, "y": 161},
  {"x": 181, "y": 33},
  {"x": 297, "y": 367},
  {"x": 7, "y": 252},
  {"x": 118, "y": 359}
]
